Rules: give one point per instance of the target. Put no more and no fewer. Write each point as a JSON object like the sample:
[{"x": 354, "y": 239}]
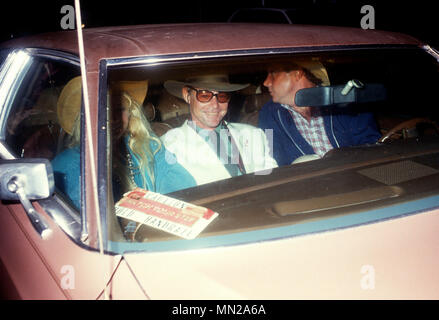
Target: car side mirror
[
  {"x": 34, "y": 175},
  {"x": 25, "y": 180}
]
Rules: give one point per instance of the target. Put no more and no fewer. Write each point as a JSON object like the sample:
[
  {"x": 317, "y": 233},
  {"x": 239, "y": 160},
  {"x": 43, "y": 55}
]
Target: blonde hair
[{"x": 140, "y": 137}]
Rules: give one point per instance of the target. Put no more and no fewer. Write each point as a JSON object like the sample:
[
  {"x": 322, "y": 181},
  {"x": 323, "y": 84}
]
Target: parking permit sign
[{"x": 161, "y": 212}]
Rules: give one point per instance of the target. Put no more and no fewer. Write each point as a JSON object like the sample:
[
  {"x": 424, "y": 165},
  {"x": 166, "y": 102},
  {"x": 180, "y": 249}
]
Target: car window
[
  {"x": 300, "y": 197},
  {"x": 36, "y": 125}
]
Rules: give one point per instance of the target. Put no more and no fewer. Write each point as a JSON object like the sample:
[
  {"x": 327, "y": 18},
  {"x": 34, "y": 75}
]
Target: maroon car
[{"x": 358, "y": 223}]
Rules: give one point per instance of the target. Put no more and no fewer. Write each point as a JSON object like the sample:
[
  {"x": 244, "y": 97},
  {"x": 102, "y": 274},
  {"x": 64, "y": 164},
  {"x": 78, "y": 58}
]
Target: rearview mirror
[{"x": 337, "y": 95}]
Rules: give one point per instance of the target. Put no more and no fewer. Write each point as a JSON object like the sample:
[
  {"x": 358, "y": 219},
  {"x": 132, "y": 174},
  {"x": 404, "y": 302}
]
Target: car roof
[{"x": 141, "y": 40}]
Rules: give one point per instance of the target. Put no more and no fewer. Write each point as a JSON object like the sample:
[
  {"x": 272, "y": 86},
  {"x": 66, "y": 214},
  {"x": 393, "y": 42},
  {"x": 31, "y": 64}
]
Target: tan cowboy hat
[
  {"x": 316, "y": 68},
  {"x": 313, "y": 65},
  {"x": 69, "y": 101},
  {"x": 136, "y": 89},
  {"x": 69, "y": 104},
  {"x": 212, "y": 82}
]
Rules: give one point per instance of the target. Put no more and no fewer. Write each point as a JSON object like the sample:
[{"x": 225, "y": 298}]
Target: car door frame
[{"x": 62, "y": 266}]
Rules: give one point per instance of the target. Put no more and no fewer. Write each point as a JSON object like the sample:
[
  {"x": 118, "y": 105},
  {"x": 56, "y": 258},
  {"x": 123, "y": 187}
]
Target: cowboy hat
[
  {"x": 312, "y": 65},
  {"x": 212, "y": 82},
  {"x": 69, "y": 104},
  {"x": 316, "y": 68},
  {"x": 69, "y": 101},
  {"x": 137, "y": 90}
]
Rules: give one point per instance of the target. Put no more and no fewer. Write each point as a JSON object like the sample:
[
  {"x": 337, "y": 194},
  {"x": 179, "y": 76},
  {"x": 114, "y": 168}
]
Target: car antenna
[{"x": 88, "y": 128}]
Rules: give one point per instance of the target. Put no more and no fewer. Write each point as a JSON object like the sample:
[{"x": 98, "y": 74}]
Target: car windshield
[{"x": 360, "y": 182}]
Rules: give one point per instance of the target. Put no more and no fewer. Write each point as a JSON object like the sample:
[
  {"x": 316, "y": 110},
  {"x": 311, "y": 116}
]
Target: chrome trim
[
  {"x": 12, "y": 73},
  {"x": 5, "y": 153},
  {"x": 55, "y": 55},
  {"x": 432, "y": 51},
  {"x": 64, "y": 216},
  {"x": 172, "y": 58}
]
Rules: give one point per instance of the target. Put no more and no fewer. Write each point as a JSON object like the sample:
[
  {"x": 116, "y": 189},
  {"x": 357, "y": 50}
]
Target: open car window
[
  {"x": 295, "y": 198},
  {"x": 34, "y": 126}
]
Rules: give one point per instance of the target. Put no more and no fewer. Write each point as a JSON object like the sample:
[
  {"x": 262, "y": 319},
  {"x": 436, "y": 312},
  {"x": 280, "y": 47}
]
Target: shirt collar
[
  {"x": 315, "y": 111},
  {"x": 198, "y": 129}
]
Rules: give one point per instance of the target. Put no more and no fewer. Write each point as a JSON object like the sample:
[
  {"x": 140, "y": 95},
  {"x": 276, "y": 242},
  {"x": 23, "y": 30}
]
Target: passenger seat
[{"x": 252, "y": 104}]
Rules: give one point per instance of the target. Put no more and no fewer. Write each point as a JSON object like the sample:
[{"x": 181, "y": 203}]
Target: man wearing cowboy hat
[
  {"x": 207, "y": 146},
  {"x": 306, "y": 133}
]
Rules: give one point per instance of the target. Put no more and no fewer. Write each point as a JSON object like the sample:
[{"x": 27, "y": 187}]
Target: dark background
[{"x": 19, "y": 18}]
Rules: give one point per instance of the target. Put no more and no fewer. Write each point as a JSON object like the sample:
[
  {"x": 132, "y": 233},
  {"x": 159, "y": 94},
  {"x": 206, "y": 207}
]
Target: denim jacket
[{"x": 344, "y": 127}]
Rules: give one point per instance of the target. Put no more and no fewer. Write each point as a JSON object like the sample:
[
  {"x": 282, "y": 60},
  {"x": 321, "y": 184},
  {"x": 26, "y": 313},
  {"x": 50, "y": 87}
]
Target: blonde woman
[{"x": 139, "y": 158}]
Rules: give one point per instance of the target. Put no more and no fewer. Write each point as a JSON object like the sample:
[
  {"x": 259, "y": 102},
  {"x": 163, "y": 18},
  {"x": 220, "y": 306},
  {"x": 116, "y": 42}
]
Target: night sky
[{"x": 417, "y": 18}]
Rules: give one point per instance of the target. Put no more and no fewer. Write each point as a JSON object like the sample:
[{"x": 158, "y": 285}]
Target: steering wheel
[{"x": 409, "y": 124}]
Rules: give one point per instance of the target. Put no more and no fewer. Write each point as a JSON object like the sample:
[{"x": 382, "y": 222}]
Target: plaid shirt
[{"x": 313, "y": 132}]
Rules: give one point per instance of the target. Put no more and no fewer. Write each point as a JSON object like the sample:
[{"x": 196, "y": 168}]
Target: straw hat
[
  {"x": 316, "y": 68},
  {"x": 212, "y": 82},
  {"x": 69, "y": 104},
  {"x": 69, "y": 101},
  {"x": 136, "y": 89}
]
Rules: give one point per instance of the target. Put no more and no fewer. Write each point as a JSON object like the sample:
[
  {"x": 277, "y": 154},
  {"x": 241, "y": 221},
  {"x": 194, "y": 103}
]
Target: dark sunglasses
[{"x": 206, "y": 95}]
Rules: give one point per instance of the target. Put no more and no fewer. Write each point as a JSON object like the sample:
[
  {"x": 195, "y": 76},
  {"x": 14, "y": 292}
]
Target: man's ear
[
  {"x": 299, "y": 74},
  {"x": 186, "y": 94}
]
